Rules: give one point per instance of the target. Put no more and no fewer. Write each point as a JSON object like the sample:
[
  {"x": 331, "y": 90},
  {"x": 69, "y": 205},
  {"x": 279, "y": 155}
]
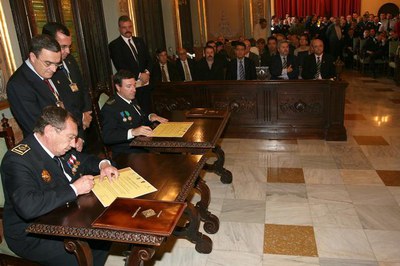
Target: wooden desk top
[
  {"x": 174, "y": 176},
  {"x": 203, "y": 134}
]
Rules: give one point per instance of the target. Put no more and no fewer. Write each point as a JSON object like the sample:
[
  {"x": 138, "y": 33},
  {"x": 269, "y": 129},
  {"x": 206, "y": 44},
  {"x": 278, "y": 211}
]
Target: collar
[
  {"x": 126, "y": 100},
  {"x": 29, "y": 64},
  {"x": 126, "y": 39},
  {"x": 320, "y": 56},
  {"x": 44, "y": 147}
]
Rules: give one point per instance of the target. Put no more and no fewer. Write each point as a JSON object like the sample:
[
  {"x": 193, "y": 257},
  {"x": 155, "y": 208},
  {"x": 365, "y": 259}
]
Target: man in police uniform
[
  {"x": 122, "y": 117},
  {"x": 69, "y": 81},
  {"x": 41, "y": 174}
]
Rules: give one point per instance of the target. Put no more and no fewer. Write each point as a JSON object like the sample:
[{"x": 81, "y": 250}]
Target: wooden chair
[{"x": 7, "y": 257}]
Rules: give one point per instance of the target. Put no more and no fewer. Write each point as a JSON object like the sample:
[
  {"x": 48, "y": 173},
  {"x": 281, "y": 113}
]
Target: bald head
[{"x": 318, "y": 46}]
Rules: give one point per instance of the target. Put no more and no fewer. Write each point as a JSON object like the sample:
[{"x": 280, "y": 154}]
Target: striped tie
[
  {"x": 163, "y": 74},
  {"x": 241, "y": 71},
  {"x": 318, "y": 73},
  {"x": 284, "y": 64}
]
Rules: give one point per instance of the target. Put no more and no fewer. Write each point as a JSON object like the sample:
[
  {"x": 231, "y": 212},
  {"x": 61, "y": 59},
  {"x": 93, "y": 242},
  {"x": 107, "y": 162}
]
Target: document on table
[
  {"x": 129, "y": 184},
  {"x": 171, "y": 129}
]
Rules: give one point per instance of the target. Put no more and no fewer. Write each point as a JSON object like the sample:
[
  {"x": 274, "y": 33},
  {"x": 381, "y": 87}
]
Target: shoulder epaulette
[
  {"x": 21, "y": 149},
  {"x": 111, "y": 101}
]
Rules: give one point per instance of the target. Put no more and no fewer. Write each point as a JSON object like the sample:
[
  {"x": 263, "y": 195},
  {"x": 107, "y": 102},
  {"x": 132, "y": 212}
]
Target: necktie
[
  {"x": 163, "y": 74},
  {"x": 318, "y": 73},
  {"x": 284, "y": 64},
  {"x": 186, "y": 70},
  {"x": 134, "y": 52},
  {"x": 241, "y": 70}
]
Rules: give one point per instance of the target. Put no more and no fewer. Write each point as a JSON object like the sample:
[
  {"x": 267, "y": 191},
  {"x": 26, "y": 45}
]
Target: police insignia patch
[
  {"x": 21, "y": 149},
  {"x": 46, "y": 176}
]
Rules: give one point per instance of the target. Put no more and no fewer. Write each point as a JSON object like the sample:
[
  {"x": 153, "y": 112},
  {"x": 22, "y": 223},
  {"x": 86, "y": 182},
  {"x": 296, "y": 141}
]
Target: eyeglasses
[{"x": 49, "y": 64}]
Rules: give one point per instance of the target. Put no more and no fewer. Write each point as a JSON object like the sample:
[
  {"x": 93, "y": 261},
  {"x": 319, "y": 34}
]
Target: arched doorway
[{"x": 389, "y": 8}]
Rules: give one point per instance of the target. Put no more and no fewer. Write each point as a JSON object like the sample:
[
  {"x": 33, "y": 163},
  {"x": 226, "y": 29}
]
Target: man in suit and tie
[
  {"x": 271, "y": 51},
  {"x": 164, "y": 70},
  {"x": 186, "y": 67},
  {"x": 131, "y": 53},
  {"x": 30, "y": 89},
  {"x": 69, "y": 81},
  {"x": 209, "y": 67},
  {"x": 284, "y": 65},
  {"x": 318, "y": 65},
  {"x": 241, "y": 68},
  {"x": 122, "y": 117},
  {"x": 41, "y": 174}
]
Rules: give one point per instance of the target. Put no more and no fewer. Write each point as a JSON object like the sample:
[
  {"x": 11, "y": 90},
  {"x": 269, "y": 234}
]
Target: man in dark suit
[
  {"x": 131, "y": 53},
  {"x": 41, "y": 174},
  {"x": 254, "y": 57},
  {"x": 210, "y": 68},
  {"x": 272, "y": 50},
  {"x": 164, "y": 70},
  {"x": 335, "y": 36},
  {"x": 122, "y": 117},
  {"x": 318, "y": 65},
  {"x": 284, "y": 65},
  {"x": 30, "y": 89},
  {"x": 375, "y": 48},
  {"x": 69, "y": 81},
  {"x": 241, "y": 68},
  {"x": 186, "y": 67}
]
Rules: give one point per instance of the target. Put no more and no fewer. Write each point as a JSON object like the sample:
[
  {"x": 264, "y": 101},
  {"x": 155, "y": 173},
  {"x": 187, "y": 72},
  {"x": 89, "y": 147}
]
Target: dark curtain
[{"x": 302, "y": 8}]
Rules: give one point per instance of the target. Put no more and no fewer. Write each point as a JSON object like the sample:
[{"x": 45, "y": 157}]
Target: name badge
[{"x": 74, "y": 87}]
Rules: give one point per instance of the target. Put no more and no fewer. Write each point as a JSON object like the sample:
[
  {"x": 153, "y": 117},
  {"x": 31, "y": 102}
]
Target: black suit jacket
[
  {"x": 310, "y": 67},
  {"x": 172, "y": 73},
  {"x": 28, "y": 94},
  {"x": 76, "y": 102},
  {"x": 276, "y": 66},
  {"x": 117, "y": 118},
  {"x": 122, "y": 57},
  {"x": 192, "y": 68},
  {"x": 249, "y": 69},
  {"x": 34, "y": 185},
  {"x": 217, "y": 71}
]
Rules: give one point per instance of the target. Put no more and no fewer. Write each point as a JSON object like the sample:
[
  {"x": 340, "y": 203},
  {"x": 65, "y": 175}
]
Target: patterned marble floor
[{"x": 309, "y": 202}]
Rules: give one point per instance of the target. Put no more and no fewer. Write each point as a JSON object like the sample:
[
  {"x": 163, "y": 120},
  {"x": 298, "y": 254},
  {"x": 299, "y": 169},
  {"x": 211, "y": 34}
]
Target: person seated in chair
[
  {"x": 284, "y": 65},
  {"x": 375, "y": 48},
  {"x": 164, "y": 70},
  {"x": 41, "y": 174},
  {"x": 123, "y": 119},
  {"x": 241, "y": 68},
  {"x": 318, "y": 65}
]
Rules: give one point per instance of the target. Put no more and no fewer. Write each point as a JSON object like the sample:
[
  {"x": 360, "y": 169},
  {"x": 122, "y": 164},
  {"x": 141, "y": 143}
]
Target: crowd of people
[{"x": 339, "y": 36}]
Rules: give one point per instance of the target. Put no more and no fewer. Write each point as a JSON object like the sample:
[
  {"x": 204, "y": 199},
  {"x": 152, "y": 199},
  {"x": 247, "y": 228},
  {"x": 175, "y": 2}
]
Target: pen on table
[
  {"x": 158, "y": 215},
  {"x": 136, "y": 212}
]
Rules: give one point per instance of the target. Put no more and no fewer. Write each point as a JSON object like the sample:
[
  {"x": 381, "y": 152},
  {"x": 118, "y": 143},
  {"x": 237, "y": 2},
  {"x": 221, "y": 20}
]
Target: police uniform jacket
[
  {"x": 118, "y": 117},
  {"x": 34, "y": 184}
]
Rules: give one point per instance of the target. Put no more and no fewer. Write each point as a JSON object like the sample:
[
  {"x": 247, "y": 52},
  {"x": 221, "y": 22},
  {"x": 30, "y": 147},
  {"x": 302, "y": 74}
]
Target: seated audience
[
  {"x": 375, "y": 48},
  {"x": 318, "y": 65},
  {"x": 210, "y": 68},
  {"x": 122, "y": 117},
  {"x": 41, "y": 174},
  {"x": 241, "y": 68},
  {"x": 284, "y": 65},
  {"x": 185, "y": 66},
  {"x": 164, "y": 70}
]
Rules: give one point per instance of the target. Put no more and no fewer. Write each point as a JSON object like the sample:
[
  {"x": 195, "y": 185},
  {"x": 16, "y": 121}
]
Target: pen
[
  {"x": 136, "y": 212},
  {"x": 158, "y": 215}
]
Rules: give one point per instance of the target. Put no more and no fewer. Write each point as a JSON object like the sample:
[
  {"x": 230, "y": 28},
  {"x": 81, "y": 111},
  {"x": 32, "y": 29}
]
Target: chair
[{"x": 7, "y": 142}]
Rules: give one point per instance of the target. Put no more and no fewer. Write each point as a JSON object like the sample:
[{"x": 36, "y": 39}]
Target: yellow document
[
  {"x": 129, "y": 184},
  {"x": 171, "y": 129}
]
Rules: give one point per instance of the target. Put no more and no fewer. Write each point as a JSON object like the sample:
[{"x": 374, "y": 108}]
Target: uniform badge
[
  {"x": 21, "y": 149},
  {"x": 126, "y": 116},
  {"x": 73, "y": 164},
  {"x": 46, "y": 177}
]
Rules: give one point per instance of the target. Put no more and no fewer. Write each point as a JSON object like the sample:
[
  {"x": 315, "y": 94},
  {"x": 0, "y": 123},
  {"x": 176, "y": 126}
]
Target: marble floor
[{"x": 309, "y": 202}]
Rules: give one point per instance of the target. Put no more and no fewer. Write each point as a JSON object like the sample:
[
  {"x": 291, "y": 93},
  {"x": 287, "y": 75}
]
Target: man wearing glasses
[{"x": 30, "y": 89}]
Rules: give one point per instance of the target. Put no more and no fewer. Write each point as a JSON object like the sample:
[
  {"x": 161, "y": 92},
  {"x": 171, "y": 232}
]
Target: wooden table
[
  {"x": 201, "y": 138},
  {"x": 73, "y": 222}
]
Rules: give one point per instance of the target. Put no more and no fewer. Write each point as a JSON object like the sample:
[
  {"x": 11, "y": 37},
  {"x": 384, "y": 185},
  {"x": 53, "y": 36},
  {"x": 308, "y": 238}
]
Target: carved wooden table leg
[
  {"x": 139, "y": 254},
  {"x": 218, "y": 166},
  {"x": 211, "y": 222},
  {"x": 191, "y": 231},
  {"x": 81, "y": 250}
]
